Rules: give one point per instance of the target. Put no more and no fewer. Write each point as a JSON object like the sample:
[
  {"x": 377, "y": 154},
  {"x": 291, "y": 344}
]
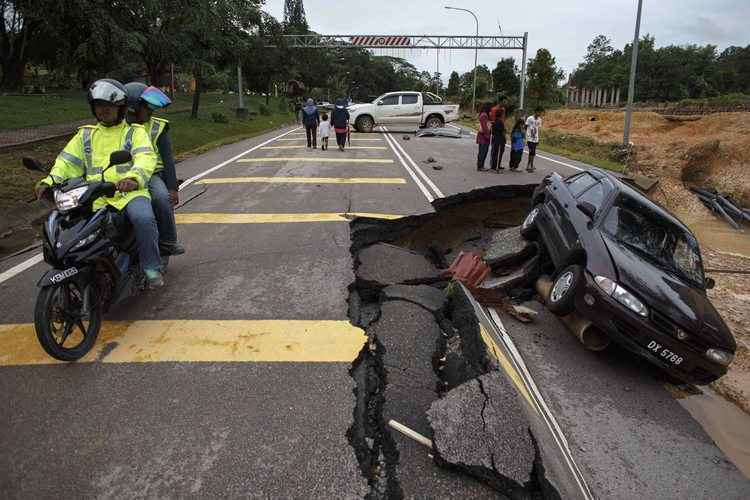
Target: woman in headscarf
[
  {"x": 311, "y": 119},
  {"x": 340, "y": 122}
]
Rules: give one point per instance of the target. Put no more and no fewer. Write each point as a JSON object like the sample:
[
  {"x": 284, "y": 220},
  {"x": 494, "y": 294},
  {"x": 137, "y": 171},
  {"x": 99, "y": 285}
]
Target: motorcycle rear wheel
[{"x": 62, "y": 329}]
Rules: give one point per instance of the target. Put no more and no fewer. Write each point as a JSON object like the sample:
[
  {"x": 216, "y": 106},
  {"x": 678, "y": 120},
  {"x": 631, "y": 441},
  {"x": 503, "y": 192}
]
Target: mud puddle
[
  {"x": 718, "y": 235},
  {"x": 724, "y": 422}
]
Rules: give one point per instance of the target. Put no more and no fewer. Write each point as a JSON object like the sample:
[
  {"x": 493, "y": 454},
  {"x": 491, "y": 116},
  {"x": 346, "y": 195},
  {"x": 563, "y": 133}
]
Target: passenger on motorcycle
[
  {"x": 142, "y": 101},
  {"x": 89, "y": 150}
]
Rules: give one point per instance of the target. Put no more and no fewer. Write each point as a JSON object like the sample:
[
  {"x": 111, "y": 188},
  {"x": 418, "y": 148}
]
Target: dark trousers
[
  {"x": 312, "y": 135},
  {"x": 341, "y": 139},
  {"x": 515, "y": 158},
  {"x": 496, "y": 156},
  {"x": 482, "y": 157}
]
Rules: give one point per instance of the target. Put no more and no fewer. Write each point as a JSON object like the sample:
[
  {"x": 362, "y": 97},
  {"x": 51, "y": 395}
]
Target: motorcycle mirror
[
  {"x": 119, "y": 157},
  {"x": 32, "y": 164}
]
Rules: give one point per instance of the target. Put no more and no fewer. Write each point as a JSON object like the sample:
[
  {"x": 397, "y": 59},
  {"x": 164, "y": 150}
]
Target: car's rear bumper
[{"x": 635, "y": 333}]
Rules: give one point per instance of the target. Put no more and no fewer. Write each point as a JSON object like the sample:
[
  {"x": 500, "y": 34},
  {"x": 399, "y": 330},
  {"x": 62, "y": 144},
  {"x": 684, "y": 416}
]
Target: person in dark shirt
[
  {"x": 498, "y": 141},
  {"x": 340, "y": 122},
  {"x": 311, "y": 119}
]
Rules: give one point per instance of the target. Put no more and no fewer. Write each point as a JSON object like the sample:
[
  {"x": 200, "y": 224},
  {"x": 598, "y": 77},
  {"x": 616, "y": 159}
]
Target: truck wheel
[
  {"x": 561, "y": 299},
  {"x": 364, "y": 124},
  {"x": 434, "y": 122}
]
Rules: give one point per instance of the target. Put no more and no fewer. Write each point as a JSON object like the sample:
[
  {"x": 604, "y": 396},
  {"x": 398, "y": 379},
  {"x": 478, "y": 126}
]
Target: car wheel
[
  {"x": 562, "y": 294},
  {"x": 529, "y": 231},
  {"x": 434, "y": 122},
  {"x": 364, "y": 124}
]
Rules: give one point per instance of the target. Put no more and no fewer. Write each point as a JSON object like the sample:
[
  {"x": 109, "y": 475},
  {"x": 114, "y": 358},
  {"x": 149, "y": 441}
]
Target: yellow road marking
[
  {"x": 225, "y": 218},
  {"x": 506, "y": 365},
  {"x": 304, "y": 147},
  {"x": 303, "y": 138},
  {"x": 200, "y": 341},
  {"x": 316, "y": 160},
  {"x": 305, "y": 180}
]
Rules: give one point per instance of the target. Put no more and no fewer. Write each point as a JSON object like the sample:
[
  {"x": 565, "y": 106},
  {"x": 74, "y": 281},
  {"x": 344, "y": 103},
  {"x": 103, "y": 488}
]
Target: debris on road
[
  {"x": 437, "y": 167},
  {"x": 468, "y": 268},
  {"x": 723, "y": 205},
  {"x": 440, "y": 132},
  {"x": 430, "y": 159}
]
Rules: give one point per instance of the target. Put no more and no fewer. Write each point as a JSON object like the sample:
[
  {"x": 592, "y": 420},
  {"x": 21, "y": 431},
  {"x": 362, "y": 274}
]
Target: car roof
[{"x": 626, "y": 189}]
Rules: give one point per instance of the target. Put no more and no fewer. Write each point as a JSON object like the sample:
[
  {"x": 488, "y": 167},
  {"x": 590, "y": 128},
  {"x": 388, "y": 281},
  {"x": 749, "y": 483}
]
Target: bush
[
  {"x": 264, "y": 110},
  {"x": 219, "y": 118},
  {"x": 283, "y": 105}
]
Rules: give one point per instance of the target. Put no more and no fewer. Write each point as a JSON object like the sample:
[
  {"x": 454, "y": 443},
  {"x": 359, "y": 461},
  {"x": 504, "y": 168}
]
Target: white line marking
[
  {"x": 416, "y": 167},
  {"x": 422, "y": 187},
  {"x": 32, "y": 261},
  {"x": 549, "y": 417}
]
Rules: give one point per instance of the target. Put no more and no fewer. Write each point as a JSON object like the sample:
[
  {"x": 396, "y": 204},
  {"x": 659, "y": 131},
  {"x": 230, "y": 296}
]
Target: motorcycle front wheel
[{"x": 65, "y": 328}]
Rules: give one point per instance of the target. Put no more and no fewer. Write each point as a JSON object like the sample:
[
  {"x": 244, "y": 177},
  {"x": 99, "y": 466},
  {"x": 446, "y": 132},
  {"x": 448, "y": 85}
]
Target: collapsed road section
[
  {"x": 426, "y": 364},
  {"x": 487, "y": 408}
]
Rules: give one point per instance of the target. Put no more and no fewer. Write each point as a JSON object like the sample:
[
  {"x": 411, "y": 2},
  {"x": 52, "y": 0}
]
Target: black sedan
[{"x": 632, "y": 269}]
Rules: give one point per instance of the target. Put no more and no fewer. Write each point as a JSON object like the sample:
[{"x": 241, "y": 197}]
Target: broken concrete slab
[
  {"x": 506, "y": 247},
  {"x": 384, "y": 264},
  {"x": 481, "y": 428},
  {"x": 440, "y": 132},
  {"x": 522, "y": 276},
  {"x": 426, "y": 296}
]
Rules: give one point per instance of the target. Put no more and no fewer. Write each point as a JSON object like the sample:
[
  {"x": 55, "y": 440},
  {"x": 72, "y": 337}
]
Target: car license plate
[{"x": 663, "y": 352}]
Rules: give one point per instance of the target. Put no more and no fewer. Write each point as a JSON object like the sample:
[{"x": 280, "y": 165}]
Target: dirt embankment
[{"x": 710, "y": 151}]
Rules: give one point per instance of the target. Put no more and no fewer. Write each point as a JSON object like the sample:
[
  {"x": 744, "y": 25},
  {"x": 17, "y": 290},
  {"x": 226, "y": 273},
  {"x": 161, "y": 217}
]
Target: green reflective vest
[
  {"x": 87, "y": 154},
  {"x": 155, "y": 127}
]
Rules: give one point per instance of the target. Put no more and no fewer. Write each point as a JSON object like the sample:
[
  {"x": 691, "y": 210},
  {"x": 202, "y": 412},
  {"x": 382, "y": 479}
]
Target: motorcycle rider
[
  {"x": 87, "y": 153},
  {"x": 142, "y": 101}
]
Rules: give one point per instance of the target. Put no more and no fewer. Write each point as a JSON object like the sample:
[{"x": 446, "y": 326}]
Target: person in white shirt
[
  {"x": 533, "y": 131},
  {"x": 324, "y": 130}
]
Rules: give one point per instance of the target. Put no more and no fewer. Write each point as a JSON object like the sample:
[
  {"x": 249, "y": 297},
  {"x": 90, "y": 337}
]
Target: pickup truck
[{"x": 396, "y": 108}]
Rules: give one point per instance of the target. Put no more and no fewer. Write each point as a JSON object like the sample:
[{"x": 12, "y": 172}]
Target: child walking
[
  {"x": 324, "y": 130},
  {"x": 517, "y": 137}
]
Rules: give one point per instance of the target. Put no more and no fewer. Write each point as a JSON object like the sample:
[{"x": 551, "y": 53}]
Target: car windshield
[{"x": 655, "y": 238}]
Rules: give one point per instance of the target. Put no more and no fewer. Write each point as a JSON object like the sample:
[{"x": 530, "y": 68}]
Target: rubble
[
  {"x": 507, "y": 248},
  {"x": 428, "y": 297},
  {"x": 383, "y": 264},
  {"x": 440, "y": 132}
]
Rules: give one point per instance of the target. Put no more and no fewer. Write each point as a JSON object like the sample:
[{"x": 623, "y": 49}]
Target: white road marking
[
  {"x": 32, "y": 261},
  {"x": 416, "y": 167},
  {"x": 526, "y": 151},
  {"x": 420, "y": 185}
]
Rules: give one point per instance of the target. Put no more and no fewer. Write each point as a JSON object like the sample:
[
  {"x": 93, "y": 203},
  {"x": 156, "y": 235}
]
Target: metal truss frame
[{"x": 467, "y": 42}]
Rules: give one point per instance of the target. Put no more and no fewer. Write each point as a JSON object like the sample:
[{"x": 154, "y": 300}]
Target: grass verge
[
  {"x": 574, "y": 147},
  {"x": 189, "y": 137}
]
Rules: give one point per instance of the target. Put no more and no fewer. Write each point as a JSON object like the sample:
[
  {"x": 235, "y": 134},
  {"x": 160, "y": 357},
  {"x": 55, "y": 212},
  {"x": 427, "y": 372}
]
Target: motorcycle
[{"x": 94, "y": 261}]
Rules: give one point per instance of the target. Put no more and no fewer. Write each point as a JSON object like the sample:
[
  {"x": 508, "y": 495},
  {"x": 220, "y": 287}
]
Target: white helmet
[{"x": 110, "y": 91}]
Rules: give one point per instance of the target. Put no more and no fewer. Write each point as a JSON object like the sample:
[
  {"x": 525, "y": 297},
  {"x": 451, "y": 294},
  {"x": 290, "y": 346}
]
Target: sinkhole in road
[{"x": 425, "y": 364}]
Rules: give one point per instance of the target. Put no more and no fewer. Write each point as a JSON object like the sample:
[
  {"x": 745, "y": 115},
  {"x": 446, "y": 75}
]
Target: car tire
[
  {"x": 562, "y": 294},
  {"x": 364, "y": 124},
  {"x": 434, "y": 122},
  {"x": 529, "y": 230}
]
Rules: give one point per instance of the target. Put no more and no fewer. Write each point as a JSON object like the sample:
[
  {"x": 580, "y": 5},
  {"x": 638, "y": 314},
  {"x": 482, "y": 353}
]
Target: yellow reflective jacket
[
  {"x": 155, "y": 127},
  {"x": 88, "y": 152}
]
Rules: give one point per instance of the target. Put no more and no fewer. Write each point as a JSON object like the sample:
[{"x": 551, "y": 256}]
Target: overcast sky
[{"x": 563, "y": 27}]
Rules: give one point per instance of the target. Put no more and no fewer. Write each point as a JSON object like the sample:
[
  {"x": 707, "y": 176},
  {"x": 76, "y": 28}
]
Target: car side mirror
[
  {"x": 380, "y": 103},
  {"x": 120, "y": 157},
  {"x": 710, "y": 283},
  {"x": 587, "y": 208},
  {"x": 32, "y": 164}
]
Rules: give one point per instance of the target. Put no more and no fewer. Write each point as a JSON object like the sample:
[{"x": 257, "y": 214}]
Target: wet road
[{"x": 233, "y": 380}]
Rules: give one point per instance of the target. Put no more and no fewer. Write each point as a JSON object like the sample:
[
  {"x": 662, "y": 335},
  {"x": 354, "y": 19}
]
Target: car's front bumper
[{"x": 635, "y": 333}]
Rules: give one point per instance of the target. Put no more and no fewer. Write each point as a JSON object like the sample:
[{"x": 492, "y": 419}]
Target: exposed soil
[{"x": 713, "y": 151}]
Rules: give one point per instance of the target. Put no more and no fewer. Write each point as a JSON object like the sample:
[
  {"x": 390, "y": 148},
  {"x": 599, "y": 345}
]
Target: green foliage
[
  {"x": 454, "y": 84},
  {"x": 264, "y": 110},
  {"x": 219, "y": 118},
  {"x": 577, "y": 147},
  {"x": 543, "y": 77},
  {"x": 506, "y": 79}
]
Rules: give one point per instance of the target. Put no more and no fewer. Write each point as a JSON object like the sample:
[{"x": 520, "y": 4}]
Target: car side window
[
  {"x": 595, "y": 195},
  {"x": 580, "y": 183},
  {"x": 391, "y": 100},
  {"x": 409, "y": 99}
]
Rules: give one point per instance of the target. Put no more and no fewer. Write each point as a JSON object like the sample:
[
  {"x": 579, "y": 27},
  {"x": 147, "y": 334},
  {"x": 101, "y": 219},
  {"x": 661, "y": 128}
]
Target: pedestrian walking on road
[
  {"x": 324, "y": 130},
  {"x": 484, "y": 136},
  {"x": 533, "y": 131},
  {"x": 340, "y": 122},
  {"x": 311, "y": 119},
  {"x": 516, "y": 145},
  {"x": 498, "y": 139}
]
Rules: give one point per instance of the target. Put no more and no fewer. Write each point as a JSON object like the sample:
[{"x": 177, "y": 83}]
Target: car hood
[
  {"x": 684, "y": 304},
  {"x": 355, "y": 107}
]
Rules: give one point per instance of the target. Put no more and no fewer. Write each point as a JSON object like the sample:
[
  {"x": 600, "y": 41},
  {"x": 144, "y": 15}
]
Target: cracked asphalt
[{"x": 171, "y": 423}]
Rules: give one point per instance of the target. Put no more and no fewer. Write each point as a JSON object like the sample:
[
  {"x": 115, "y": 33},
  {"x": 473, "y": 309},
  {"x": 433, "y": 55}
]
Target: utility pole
[
  {"x": 476, "y": 54},
  {"x": 241, "y": 111},
  {"x": 523, "y": 70},
  {"x": 631, "y": 85}
]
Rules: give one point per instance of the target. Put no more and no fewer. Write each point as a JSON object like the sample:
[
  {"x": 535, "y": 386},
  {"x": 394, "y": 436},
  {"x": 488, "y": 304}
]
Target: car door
[
  {"x": 411, "y": 109},
  {"x": 560, "y": 230},
  {"x": 389, "y": 107}
]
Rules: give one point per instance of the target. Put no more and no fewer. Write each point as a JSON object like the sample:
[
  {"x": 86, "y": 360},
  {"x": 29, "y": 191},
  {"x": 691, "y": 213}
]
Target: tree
[
  {"x": 21, "y": 23},
  {"x": 505, "y": 77},
  {"x": 294, "y": 15},
  {"x": 599, "y": 49},
  {"x": 544, "y": 75},
  {"x": 454, "y": 83}
]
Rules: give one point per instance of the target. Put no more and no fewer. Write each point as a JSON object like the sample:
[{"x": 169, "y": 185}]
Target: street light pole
[
  {"x": 476, "y": 53},
  {"x": 631, "y": 85}
]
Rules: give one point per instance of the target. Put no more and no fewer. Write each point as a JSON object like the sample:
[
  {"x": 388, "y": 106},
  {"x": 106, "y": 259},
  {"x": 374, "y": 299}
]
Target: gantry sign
[{"x": 437, "y": 42}]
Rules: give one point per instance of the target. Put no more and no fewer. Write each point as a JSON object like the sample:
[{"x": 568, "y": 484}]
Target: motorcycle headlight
[
  {"x": 719, "y": 356},
  {"x": 621, "y": 295},
  {"x": 70, "y": 199},
  {"x": 85, "y": 241}
]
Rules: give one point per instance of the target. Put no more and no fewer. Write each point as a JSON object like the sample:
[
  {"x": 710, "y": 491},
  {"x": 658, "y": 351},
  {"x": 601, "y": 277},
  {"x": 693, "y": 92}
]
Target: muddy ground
[{"x": 711, "y": 151}]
